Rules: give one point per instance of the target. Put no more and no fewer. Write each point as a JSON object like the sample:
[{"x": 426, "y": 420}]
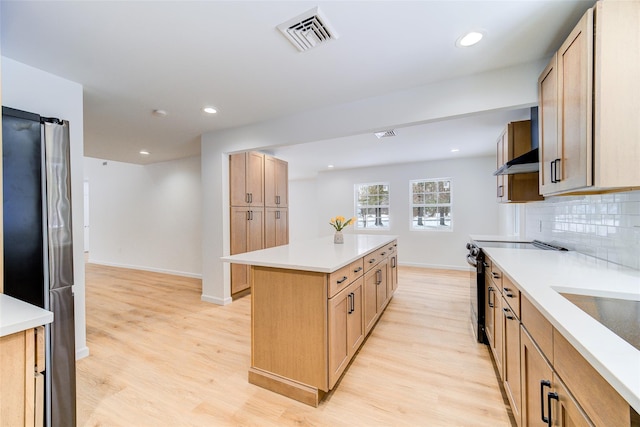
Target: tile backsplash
[{"x": 606, "y": 226}]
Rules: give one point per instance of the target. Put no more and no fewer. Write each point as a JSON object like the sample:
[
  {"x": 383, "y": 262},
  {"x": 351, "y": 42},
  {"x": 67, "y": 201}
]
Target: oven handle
[{"x": 471, "y": 260}]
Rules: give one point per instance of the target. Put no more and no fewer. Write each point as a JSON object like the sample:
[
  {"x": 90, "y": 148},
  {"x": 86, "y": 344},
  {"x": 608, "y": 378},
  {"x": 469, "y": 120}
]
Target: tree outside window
[
  {"x": 372, "y": 206},
  {"x": 431, "y": 204}
]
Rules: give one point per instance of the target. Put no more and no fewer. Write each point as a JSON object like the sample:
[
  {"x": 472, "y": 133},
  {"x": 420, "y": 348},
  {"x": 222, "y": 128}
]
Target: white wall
[
  {"x": 29, "y": 89},
  {"x": 303, "y": 210},
  {"x": 474, "y": 208},
  {"x": 146, "y": 217},
  {"x": 513, "y": 87}
]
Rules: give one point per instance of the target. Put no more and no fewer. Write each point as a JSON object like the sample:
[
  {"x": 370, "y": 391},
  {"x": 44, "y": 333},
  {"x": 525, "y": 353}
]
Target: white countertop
[
  {"x": 540, "y": 275},
  {"x": 496, "y": 238},
  {"x": 17, "y": 316},
  {"x": 320, "y": 255}
]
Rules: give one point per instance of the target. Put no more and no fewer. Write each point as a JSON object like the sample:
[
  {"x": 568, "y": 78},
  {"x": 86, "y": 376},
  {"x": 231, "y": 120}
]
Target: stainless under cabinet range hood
[
  {"x": 526, "y": 163},
  {"x": 529, "y": 161}
]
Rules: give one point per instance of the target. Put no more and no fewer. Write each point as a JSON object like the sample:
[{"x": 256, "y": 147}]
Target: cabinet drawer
[
  {"x": 538, "y": 327},
  {"x": 511, "y": 295},
  {"x": 602, "y": 404},
  {"x": 339, "y": 280},
  {"x": 371, "y": 259},
  {"x": 496, "y": 275},
  {"x": 356, "y": 268}
]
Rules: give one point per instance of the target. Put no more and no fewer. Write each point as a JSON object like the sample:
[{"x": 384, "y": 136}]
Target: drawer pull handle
[
  {"x": 349, "y": 302},
  {"x": 543, "y": 384},
  {"x": 383, "y": 254},
  {"x": 490, "y": 291},
  {"x": 357, "y": 270},
  {"x": 506, "y": 313},
  {"x": 495, "y": 275},
  {"x": 342, "y": 280},
  {"x": 551, "y": 395},
  {"x": 507, "y": 292},
  {"x": 353, "y": 302},
  {"x": 372, "y": 260}
]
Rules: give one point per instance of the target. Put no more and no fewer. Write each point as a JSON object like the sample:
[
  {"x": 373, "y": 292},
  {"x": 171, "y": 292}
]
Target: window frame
[
  {"x": 357, "y": 206},
  {"x": 413, "y": 205}
]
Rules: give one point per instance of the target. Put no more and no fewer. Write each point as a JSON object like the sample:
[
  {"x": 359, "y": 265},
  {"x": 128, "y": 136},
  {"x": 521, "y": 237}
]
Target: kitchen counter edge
[{"x": 17, "y": 316}]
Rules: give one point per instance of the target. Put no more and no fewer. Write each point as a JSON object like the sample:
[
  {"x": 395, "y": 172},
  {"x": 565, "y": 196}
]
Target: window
[
  {"x": 431, "y": 204},
  {"x": 372, "y": 206}
]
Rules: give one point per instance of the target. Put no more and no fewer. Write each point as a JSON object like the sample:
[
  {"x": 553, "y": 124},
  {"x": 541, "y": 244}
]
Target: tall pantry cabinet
[{"x": 259, "y": 217}]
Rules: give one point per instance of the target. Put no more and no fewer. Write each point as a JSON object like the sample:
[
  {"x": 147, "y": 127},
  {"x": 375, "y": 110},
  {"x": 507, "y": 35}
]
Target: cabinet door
[
  {"x": 276, "y": 227},
  {"x": 536, "y": 376},
  {"x": 511, "y": 361},
  {"x": 370, "y": 292},
  {"x": 489, "y": 308},
  {"x": 381, "y": 285},
  {"x": 339, "y": 308},
  {"x": 501, "y": 158},
  {"x": 393, "y": 275},
  {"x": 498, "y": 334},
  {"x": 574, "y": 160},
  {"x": 246, "y": 235},
  {"x": 565, "y": 410},
  {"x": 355, "y": 318},
  {"x": 548, "y": 124},
  {"x": 238, "y": 195},
  {"x": 255, "y": 178},
  {"x": 276, "y": 176},
  {"x": 346, "y": 328}
]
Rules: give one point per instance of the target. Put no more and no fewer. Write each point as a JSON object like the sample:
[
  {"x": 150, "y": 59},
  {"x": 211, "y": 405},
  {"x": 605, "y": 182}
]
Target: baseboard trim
[
  {"x": 216, "y": 300},
  {"x": 82, "y": 353},
  {"x": 143, "y": 268}
]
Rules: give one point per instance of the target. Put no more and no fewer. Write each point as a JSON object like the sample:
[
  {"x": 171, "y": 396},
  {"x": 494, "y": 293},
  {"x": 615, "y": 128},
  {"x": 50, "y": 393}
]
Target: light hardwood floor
[{"x": 161, "y": 357}]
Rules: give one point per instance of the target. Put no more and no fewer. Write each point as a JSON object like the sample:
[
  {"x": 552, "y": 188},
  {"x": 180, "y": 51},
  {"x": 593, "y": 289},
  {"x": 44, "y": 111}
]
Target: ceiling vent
[
  {"x": 385, "y": 133},
  {"x": 308, "y": 30}
]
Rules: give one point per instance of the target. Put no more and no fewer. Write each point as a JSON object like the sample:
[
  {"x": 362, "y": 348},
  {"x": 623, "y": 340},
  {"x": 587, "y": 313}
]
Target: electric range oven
[{"x": 475, "y": 258}]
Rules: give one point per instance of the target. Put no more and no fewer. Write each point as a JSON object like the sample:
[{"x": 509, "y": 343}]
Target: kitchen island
[{"x": 312, "y": 305}]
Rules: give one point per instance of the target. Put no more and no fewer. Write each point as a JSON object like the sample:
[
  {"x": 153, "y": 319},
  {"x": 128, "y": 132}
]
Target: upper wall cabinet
[
  {"x": 246, "y": 179},
  {"x": 276, "y": 182},
  {"x": 515, "y": 141},
  {"x": 589, "y": 101}
]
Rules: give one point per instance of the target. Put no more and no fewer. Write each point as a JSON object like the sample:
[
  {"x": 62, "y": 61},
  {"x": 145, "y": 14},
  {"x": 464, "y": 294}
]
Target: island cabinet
[
  {"x": 307, "y": 320},
  {"x": 588, "y": 104}
]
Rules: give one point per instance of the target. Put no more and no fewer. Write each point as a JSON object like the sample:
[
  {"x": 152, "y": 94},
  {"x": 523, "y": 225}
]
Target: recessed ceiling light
[
  {"x": 454, "y": 150},
  {"x": 385, "y": 133},
  {"x": 209, "y": 110},
  {"x": 469, "y": 39},
  {"x": 330, "y": 166},
  {"x": 144, "y": 152},
  {"x": 159, "y": 113}
]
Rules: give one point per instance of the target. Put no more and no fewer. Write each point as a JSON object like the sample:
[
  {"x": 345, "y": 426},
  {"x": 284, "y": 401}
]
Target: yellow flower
[{"x": 339, "y": 222}]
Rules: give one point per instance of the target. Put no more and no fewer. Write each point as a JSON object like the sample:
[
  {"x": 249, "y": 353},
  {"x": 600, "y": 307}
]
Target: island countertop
[
  {"x": 319, "y": 255},
  {"x": 17, "y": 316}
]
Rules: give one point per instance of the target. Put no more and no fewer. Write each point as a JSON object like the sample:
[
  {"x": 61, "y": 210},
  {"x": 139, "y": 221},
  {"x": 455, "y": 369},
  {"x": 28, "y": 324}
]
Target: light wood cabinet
[
  {"x": 22, "y": 385},
  {"x": 346, "y": 328},
  {"x": 276, "y": 227},
  {"x": 246, "y": 179},
  {"x": 511, "y": 358},
  {"x": 515, "y": 141},
  {"x": 306, "y": 326},
  {"x": 375, "y": 292},
  {"x": 276, "y": 182},
  {"x": 247, "y": 234},
  {"x": 589, "y": 107},
  {"x": 258, "y": 195}
]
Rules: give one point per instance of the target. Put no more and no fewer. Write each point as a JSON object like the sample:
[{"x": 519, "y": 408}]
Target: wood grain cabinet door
[
  {"x": 355, "y": 319},
  {"x": 536, "y": 376},
  {"x": 370, "y": 292},
  {"x": 339, "y": 308},
  {"x": 511, "y": 361},
  {"x": 381, "y": 284}
]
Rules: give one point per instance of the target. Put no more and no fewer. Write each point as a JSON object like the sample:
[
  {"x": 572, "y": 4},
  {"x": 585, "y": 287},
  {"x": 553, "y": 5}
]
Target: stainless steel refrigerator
[{"x": 38, "y": 249}]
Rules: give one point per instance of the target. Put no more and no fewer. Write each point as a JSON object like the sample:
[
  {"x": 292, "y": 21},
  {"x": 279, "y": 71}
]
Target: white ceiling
[{"x": 134, "y": 57}]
